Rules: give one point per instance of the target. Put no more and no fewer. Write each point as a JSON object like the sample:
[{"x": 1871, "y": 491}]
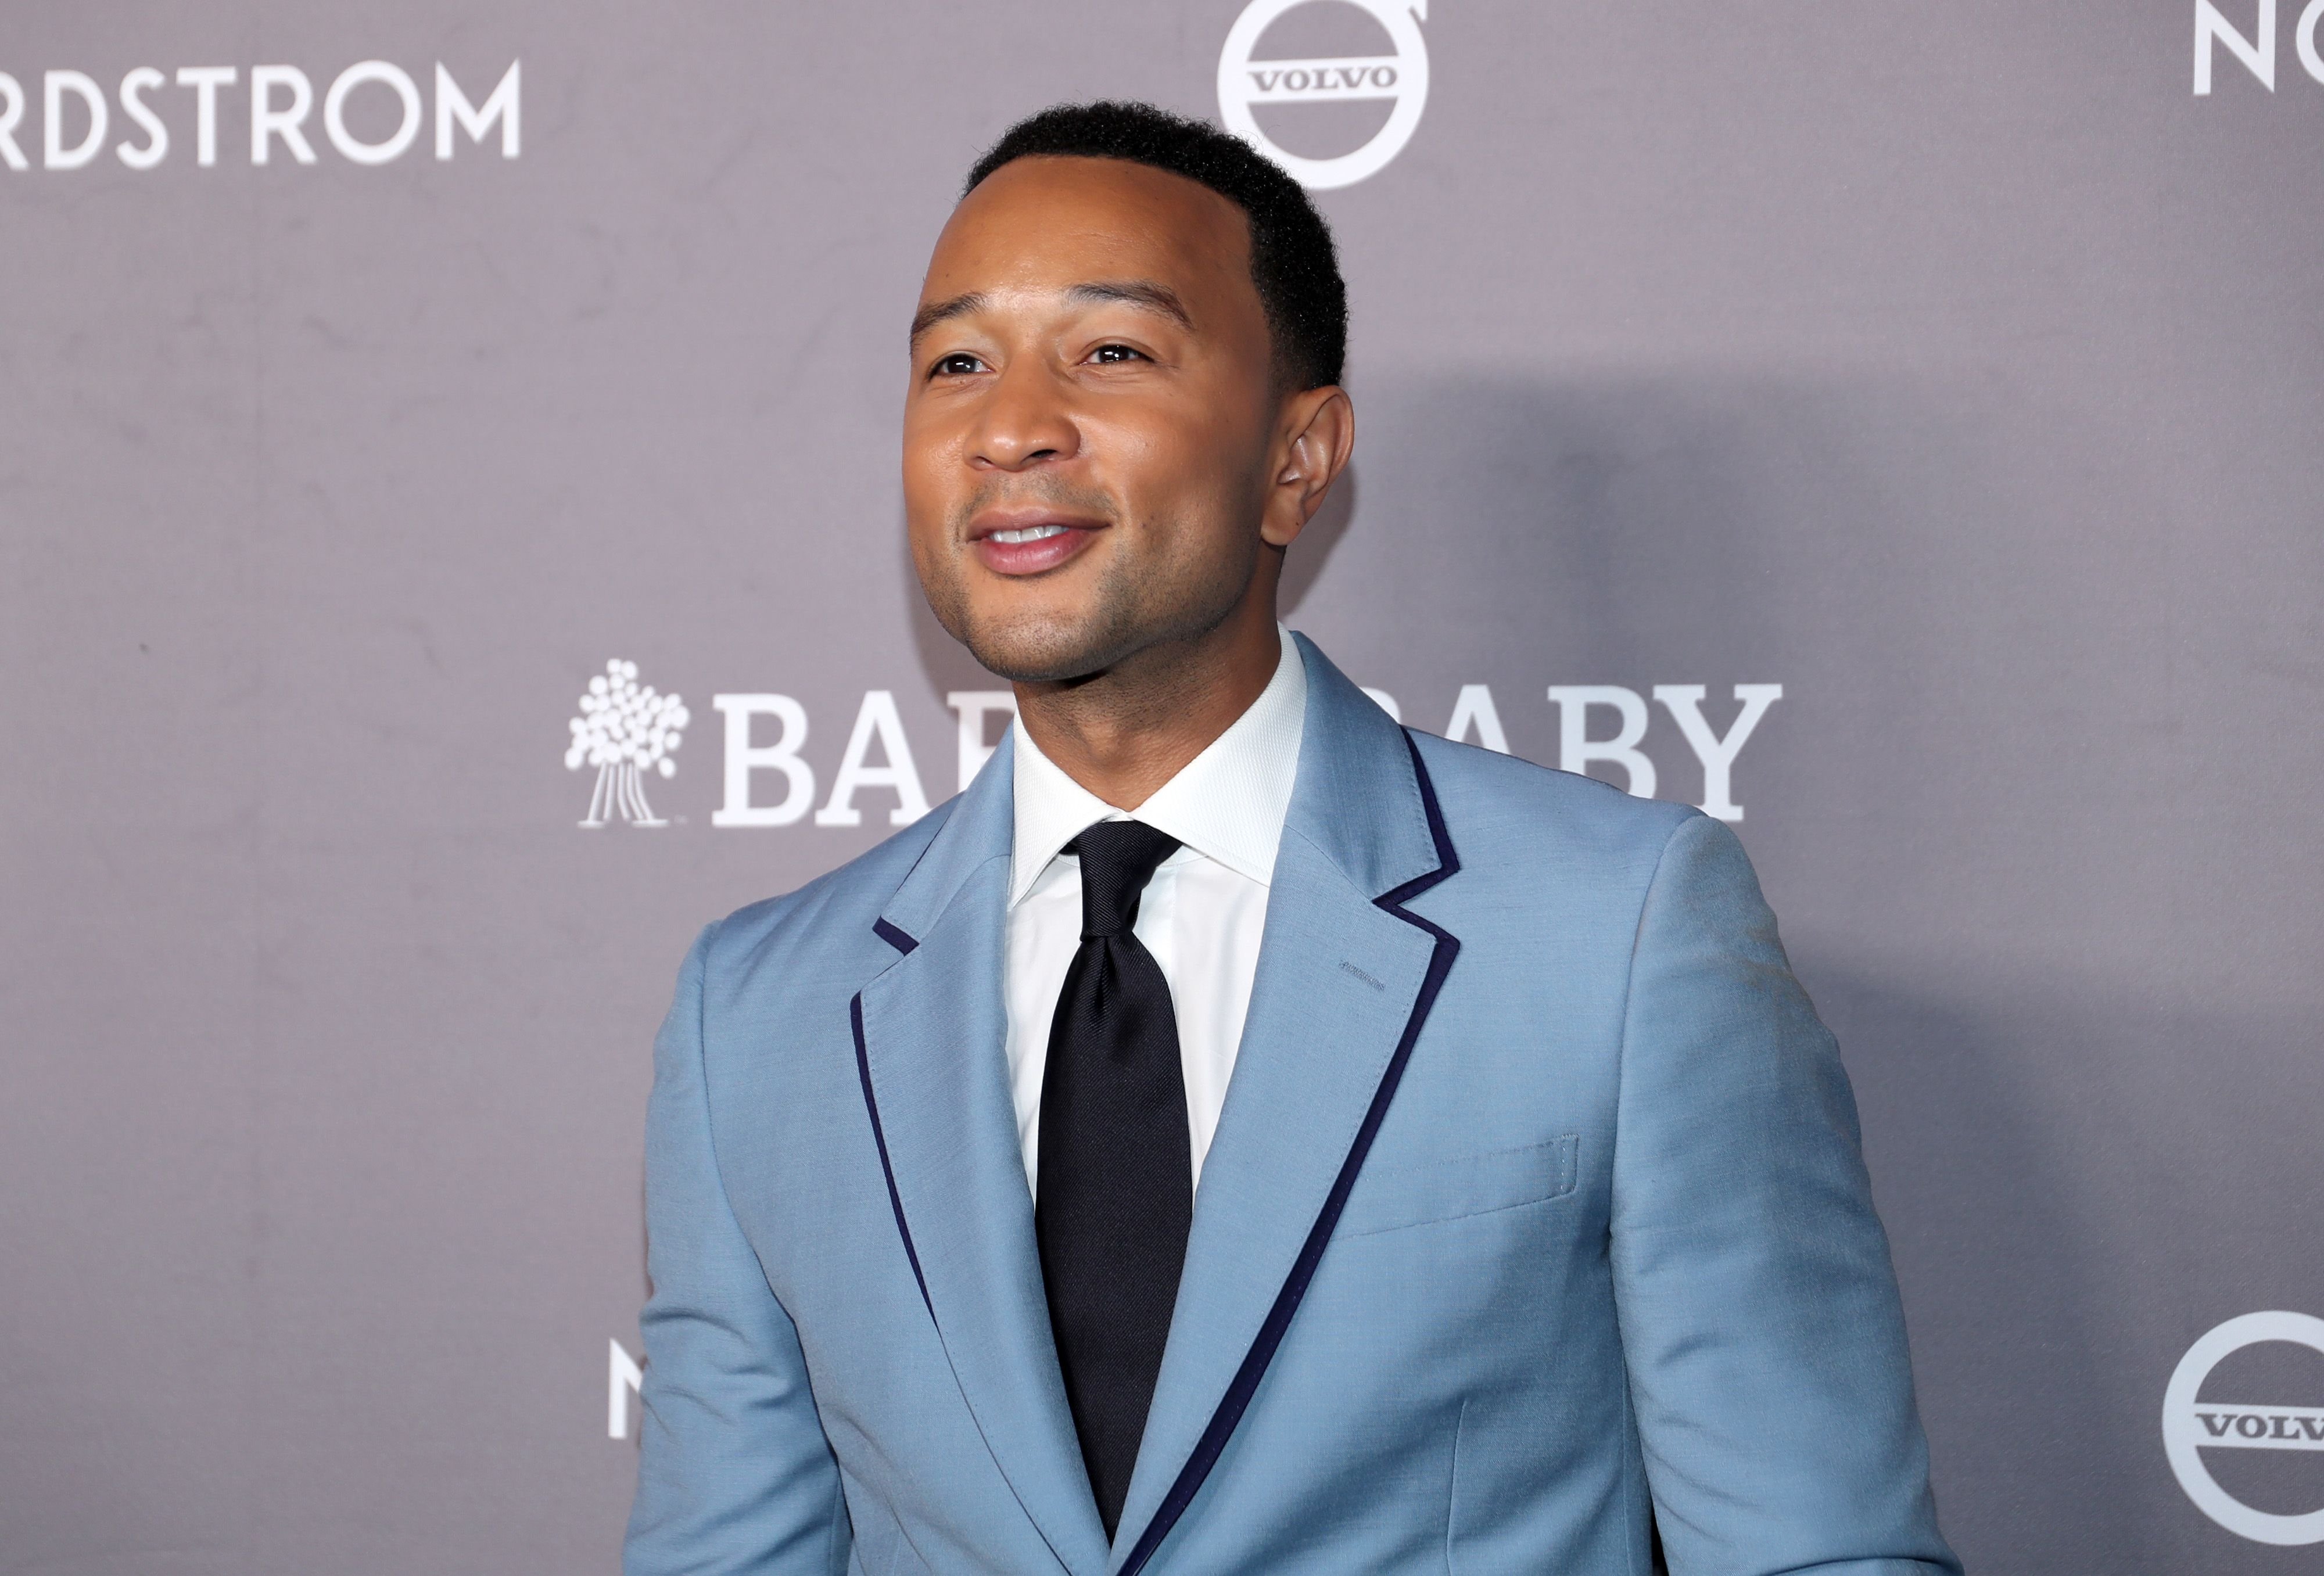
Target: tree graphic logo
[{"x": 626, "y": 729}]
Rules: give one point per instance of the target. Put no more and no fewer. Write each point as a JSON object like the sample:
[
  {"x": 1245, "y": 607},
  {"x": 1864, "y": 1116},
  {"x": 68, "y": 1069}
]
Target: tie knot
[{"x": 1117, "y": 859}]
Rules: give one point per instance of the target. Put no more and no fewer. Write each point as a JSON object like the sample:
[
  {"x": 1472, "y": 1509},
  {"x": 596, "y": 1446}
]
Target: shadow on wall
[
  {"x": 2029, "y": 1411},
  {"x": 2081, "y": 1175}
]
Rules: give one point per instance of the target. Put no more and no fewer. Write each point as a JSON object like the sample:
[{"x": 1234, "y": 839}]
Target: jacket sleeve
[
  {"x": 734, "y": 1475},
  {"x": 1759, "y": 1314}
]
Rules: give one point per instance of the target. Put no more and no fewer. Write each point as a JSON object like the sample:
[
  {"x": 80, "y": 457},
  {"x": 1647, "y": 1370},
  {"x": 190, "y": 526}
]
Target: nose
[{"x": 1026, "y": 421}]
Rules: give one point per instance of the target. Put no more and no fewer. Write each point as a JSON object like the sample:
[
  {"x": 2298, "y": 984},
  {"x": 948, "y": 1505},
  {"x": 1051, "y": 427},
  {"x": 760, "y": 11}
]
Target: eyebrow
[
  {"x": 936, "y": 313},
  {"x": 1135, "y": 292}
]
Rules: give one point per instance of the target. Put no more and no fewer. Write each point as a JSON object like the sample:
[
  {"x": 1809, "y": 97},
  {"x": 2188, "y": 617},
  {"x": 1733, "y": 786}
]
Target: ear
[{"x": 1313, "y": 441}]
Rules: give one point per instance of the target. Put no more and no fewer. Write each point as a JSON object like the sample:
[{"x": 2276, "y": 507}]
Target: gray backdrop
[{"x": 1956, "y": 368}]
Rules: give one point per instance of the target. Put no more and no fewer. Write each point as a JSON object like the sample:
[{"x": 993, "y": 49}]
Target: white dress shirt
[{"x": 1202, "y": 915}]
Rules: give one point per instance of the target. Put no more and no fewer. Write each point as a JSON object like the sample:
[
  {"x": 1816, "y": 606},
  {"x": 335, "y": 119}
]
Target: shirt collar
[{"x": 1228, "y": 803}]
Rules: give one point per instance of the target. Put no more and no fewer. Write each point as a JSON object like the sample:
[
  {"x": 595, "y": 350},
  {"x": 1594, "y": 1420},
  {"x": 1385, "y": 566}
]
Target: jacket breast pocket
[{"x": 1391, "y": 1199}]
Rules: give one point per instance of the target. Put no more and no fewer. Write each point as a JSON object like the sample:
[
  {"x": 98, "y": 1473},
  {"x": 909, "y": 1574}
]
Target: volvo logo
[
  {"x": 2191, "y": 1426},
  {"x": 1402, "y": 78}
]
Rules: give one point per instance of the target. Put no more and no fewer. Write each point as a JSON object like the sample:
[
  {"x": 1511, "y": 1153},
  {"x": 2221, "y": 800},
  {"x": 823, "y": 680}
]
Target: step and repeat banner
[{"x": 450, "y": 548}]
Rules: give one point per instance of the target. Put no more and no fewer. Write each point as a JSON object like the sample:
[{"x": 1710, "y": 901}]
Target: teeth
[{"x": 1031, "y": 533}]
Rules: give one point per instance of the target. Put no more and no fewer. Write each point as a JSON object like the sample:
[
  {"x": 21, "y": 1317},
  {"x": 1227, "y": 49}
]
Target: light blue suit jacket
[{"x": 1535, "y": 1216}]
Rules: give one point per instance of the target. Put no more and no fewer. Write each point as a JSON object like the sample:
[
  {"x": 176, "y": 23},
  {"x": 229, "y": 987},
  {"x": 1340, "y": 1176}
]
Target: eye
[
  {"x": 958, "y": 363},
  {"x": 1108, "y": 355}
]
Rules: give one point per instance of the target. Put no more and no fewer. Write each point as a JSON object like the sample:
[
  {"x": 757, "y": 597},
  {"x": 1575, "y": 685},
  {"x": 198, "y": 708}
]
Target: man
[{"x": 1237, "y": 1134}]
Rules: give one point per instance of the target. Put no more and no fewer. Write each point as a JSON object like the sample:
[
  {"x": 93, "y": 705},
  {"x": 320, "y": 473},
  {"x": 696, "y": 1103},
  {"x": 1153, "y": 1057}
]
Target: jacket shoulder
[
  {"x": 843, "y": 901},
  {"x": 1503, "y": 801}
]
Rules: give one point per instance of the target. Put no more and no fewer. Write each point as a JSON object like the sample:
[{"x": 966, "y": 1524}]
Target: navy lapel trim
[
  {"x": 902, "y": 943},
  {"x": 998, "y": 1335},
  {"x": 1255, "y": 1362}
]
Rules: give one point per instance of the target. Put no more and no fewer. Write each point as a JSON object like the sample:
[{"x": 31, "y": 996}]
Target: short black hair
[{"x": 1293, "y": 262}]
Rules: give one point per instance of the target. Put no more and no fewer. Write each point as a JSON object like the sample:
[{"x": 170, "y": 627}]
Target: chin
[{"x": 1044, "y": 649}]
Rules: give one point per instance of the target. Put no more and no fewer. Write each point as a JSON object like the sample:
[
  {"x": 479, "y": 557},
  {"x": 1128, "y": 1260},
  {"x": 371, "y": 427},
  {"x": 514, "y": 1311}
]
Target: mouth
[{"x": 1020, "y": 543}]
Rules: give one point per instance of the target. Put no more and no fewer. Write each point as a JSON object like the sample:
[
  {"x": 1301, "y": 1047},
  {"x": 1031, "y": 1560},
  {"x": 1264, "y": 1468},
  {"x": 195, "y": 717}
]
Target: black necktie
[{"x": 1116, "y": 1189}]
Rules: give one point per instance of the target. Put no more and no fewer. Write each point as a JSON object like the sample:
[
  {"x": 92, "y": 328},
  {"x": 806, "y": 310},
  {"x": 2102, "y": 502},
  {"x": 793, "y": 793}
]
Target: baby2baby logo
[{"x": 625, "y": 736}]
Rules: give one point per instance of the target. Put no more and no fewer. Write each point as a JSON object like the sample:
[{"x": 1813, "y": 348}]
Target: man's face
[{"x": 1087, "y": 436}]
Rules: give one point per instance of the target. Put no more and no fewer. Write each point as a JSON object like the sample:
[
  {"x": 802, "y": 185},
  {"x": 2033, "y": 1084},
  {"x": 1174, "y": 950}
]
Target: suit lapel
[
  {"x": 1345, "y": 980},
  {"x": 932, "y": 1041}
]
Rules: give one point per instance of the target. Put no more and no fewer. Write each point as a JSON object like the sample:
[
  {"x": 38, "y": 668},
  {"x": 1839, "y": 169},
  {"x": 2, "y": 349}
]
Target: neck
[{"x": 1124, "y": 733}]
